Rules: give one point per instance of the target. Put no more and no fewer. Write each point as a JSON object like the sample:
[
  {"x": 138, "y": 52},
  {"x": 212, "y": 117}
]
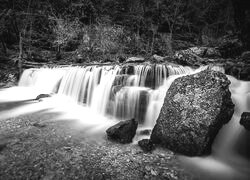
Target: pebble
[
  {"x": 148, "y": 168},
  {"x": 154, "y": 173}
]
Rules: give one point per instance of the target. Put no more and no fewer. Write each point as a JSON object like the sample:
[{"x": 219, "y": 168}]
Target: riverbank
[{"x": 36, "y": 147}]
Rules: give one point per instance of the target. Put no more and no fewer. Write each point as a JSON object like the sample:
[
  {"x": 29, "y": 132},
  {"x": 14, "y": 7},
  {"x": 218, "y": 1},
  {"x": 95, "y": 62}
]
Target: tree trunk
[
  {"x": 59, "y": 49},
  {"x": 169, "y": 39},
  {"x": 4, "y": 46},
  {"x": 20, "y": 57},
  {"x": 153, "y": 42}
]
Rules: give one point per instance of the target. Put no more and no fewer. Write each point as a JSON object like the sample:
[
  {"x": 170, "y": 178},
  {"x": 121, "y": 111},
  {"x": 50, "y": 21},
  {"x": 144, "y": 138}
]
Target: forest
[{"x": 95, "y": 30}]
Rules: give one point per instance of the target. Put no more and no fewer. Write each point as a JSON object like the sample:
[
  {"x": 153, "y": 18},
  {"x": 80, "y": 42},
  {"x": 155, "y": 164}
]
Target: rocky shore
[{"x": 33, "y": 148}]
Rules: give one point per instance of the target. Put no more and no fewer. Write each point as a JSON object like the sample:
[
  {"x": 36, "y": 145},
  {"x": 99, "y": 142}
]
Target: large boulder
[
  {"x": 187, "y": 58},
  {"x": 197, "y": 56},
  {"x": 195, "y": 108},
  {"x": 123, "y": 131},
  {"x": 245, "y": 120}
]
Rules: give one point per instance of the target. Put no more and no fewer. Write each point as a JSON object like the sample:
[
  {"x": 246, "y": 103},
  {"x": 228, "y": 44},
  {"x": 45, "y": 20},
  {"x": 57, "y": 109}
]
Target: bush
[
  {"x": 102, "y": 39},
  {"x": 66, "y": 33}
]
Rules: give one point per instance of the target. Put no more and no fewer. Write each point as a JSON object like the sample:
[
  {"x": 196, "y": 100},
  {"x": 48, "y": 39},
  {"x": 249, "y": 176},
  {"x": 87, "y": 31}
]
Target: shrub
[
  {"x": 66, "y": 32},
  {"x": 102, "y": 39}
]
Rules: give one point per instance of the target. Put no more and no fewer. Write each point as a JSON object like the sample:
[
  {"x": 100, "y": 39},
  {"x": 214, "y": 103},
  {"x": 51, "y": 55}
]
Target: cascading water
[
  {"x": 118, "y": 92},
  {"x": 138, "y": 92},
  {"x": 230, "y": 158},
  {"x": 44, "y": 80}
]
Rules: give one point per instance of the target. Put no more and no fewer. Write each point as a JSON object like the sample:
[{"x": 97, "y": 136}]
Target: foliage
[
  {"x": 65, "y": 31},
  {"x": 102, "y": 39},
  {"x": 114, "y": 26}
]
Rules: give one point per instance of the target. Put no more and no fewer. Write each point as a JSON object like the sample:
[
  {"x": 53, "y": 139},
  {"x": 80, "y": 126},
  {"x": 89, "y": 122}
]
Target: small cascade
[
  {"x": 45, "y": 80},
  {"x": 102, "y": 93},
  {"x": 131, "y": 102},
  {"x": 89, "y": 85},
  {"x": 156, "y": 100}
]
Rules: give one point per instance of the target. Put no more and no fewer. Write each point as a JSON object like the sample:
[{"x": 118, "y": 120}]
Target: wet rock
[
  {"x": 146, "y": 145},
  {"x": 3, "y": 145},
  {"x": 121, "y": 59},
  {"x": 245, "y": 120},
  {"x": 128, "y": 69},
  {"x": 196, "y": 56},
  {"x": 245, "y": 73},
  {"x": 195, "y": 108},
  {"x": 239, "y": 71},
  {"x": 145, "y": 132},
  {"x": 135, "y": 60},
  {"x": 206, "y": 52},
  {"x": 199, "y": 51},
  {"x": 187, "y": 58},
  {"x": 212, "y": 53},
  {"x": 123, "y": 131},
  {"x": 120, "y": 80},
  {"x": 157, "y": 58},
  {"x": 39, "y": 125},
  {"x": 41, "y": 96}
]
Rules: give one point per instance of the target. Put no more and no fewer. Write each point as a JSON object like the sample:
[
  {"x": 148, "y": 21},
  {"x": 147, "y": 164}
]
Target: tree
[{"x": 65, "y": 31}]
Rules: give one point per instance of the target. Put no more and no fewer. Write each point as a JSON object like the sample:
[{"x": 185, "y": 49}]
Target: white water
[
  {"x": 93, "y": 87},
  {"x": 139, "y": 94},
  {"x": 230, "y": 158},
  {"x": 99, "y": 106}
]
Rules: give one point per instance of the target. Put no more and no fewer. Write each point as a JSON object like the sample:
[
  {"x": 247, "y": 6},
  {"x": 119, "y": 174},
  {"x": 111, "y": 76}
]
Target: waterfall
[
  {"x": 45, "y": 80},
  {"x": 119, "y": 92},
  {"x": 138, "y": 91}
]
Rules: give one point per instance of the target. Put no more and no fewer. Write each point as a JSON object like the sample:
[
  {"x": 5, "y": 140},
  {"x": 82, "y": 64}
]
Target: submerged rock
[
  {"x": 146, "y": 145},
  {"x": 40, "y": 96},
  {"x": 123, "y": 131},
  {"x": 195, "y": 108},
  {"x": 245, "y": 120}
]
